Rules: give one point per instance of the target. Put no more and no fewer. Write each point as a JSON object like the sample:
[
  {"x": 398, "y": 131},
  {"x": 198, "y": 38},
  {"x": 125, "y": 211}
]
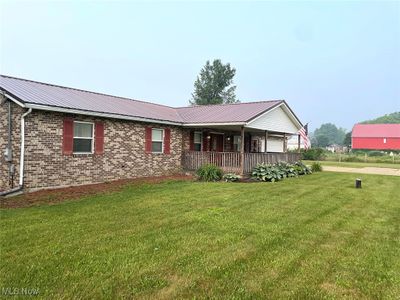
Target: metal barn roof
[{"x": 376, "y": 130}]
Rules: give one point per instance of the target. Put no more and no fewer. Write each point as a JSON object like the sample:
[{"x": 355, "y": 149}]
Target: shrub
[
  {"x": 288, "y": 169},
  {"x": 266, "y": 172},
  {"x": 209, "y": 172},
  {"x": 313, "y": 154},
  {"x": 316, "y": 167},
  {"x": 301, "y": 168},
  {"x": 376, "y": 153},
  {"x": 231, "y": 177}
]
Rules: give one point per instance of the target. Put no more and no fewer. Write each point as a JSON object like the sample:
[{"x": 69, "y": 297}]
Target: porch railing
[
  {"x": 253, "y": 159},
  {"x": 230, "y": 161}
]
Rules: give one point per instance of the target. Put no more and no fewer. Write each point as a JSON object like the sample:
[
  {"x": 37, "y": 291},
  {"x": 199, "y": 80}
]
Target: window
[
  {"x": 197, "y": 139},
  {"x": 157, "y": 137},
  {"x": 83, "y": 137},
  {"x": 236, "y": 143},
  {"x": 384, "y": 140}
]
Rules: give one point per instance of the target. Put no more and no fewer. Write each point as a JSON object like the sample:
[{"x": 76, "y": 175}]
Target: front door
[{"x": 217, "y": 142}]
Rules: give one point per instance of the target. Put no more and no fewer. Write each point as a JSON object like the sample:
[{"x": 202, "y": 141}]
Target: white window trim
[
  {"x": 88, "y": 138},
  {"x": 162, "y": 140},
  {"x": 201, "y": 139}
]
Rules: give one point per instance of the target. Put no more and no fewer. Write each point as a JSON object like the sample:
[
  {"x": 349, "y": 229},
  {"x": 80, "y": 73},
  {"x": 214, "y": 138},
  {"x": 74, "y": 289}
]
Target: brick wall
[
  {"x": 124, "y": 152},
  {"x": 6, "y": 181}
]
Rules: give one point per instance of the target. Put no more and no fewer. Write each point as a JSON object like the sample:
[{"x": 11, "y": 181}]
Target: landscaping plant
[
  {"x": 209, "y": 172},
  {"x": 316, "y": 167},
  {"x": 266, "y": 172},
  {"x": 231, "y": 177},
  {"x": 301, "y": 168},
  {"x": 288, "y": 168}
]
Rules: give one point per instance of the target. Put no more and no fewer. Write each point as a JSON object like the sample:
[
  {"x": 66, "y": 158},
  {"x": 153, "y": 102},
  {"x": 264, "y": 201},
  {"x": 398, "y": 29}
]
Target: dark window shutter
[
  {"x": 68, "y": 136},
  {"x": 232, "y": 142},
  {"x": 191, "y": 145},
  {"x": 99, "y": 138},
  {"x": 205, "y": 141},
  {"x": 167, "y": 140},
  {"x": 148, "y": 140}
]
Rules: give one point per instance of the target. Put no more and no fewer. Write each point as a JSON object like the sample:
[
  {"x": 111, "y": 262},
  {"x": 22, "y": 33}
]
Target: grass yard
[
  {"x": 310, "y": 237},
  {"x": 355, "y": 164}
]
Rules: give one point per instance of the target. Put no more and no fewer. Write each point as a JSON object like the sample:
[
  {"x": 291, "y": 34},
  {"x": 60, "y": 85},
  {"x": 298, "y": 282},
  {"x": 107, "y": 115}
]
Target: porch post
[
  {"x": 284, "y": 143},
  {"x": 242, "y": 151},
  {"x": 265, "y": 144},
  {"x": 298, "y": 143}
]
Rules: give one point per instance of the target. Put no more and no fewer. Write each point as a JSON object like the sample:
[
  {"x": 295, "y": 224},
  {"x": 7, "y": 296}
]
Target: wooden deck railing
[
  {"x": 253, "y": 159},
  {"x": 230, "y": 161}
]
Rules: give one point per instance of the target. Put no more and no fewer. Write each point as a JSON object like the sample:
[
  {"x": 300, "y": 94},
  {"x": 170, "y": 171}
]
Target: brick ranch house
[{"x": 52, "y": 136}]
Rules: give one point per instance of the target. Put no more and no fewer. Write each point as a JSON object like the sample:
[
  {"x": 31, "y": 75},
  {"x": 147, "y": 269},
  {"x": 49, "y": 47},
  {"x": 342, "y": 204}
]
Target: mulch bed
[{"x": 53, "y": 196}]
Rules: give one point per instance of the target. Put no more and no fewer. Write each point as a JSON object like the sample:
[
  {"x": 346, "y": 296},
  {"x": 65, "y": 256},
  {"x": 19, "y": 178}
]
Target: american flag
[{"x": 303, "y": 133}]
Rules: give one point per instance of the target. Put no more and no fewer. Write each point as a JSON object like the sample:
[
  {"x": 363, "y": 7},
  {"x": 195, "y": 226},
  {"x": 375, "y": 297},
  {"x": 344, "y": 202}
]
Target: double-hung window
[
  {"x": 157, "y": 140},
  {"x": 197, "y": 140},
  {"x": 83, "y": 137}
]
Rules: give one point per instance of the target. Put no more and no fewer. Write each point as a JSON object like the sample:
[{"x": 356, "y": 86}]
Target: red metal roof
[
  {"x": 225, "y": 113},
  {"x": 53, "y": 95},
  {"x": 376, "y": 130},
  {"x": 33, "y": 92}
]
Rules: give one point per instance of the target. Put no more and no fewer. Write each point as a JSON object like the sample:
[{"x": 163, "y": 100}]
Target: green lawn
[
  {"x": 355, "y": 164},
  {"x": 310, "y": 237}
]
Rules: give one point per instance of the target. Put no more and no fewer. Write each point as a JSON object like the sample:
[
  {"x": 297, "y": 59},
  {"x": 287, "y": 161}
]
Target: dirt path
[{"x": 366, "y": 170}]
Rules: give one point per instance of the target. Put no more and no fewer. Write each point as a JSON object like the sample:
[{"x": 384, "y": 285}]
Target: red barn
[{"x": 376, "y": 136}]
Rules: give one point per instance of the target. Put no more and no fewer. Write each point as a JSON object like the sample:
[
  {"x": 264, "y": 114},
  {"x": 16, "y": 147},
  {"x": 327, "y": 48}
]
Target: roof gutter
[
  {"x": 8, "y": 96},
  {"x": 214, "y": 124}
]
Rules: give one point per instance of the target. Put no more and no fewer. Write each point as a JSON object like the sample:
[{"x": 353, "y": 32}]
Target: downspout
[
  {"x": 21, "y": 161},
  {"x": 22, "y": 156}
]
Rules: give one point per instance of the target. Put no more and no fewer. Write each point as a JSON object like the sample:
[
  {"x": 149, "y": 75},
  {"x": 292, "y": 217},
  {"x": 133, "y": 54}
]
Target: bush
[
  {"x": 376, "y": 153},
  {"x": 231, "y": 177},
  {"x": 316, "y": 167},
  {"x": 289, "y": 169},
  {"x": 266, "y": 172},
  {"x": 301, "y": 168},
  {"x": 313, "y": 154},
  {"x": 209, "y": 172}
]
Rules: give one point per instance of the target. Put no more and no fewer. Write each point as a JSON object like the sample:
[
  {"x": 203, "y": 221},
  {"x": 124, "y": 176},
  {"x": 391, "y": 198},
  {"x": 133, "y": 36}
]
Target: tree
[
  {"x": 393, "y": 118},
  {"x": 214, "y": 85},
  {"x": 322, "y": 140},
  {"x": 329, "y": 134},
  {"x": 347, "y": 139}
]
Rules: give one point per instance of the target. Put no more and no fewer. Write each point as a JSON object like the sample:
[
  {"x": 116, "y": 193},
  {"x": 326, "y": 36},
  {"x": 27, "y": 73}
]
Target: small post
[
  {"x": 298, "y": 143},
  {"x": 242, "y": 150},
  {"x": 266, "y": 139},
  {"x": 358, "y": 183},
  {"x": 284, "y": 143}
]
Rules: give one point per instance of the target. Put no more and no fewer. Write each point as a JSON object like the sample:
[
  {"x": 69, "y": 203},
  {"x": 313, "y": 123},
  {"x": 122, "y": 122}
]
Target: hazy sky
[{"x": 331, "y": 61}]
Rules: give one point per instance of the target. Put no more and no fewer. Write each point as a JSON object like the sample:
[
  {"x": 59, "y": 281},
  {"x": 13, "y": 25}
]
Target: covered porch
[
  {"x": 239, "y": 146},
  {"x": 223, "y": 147}
]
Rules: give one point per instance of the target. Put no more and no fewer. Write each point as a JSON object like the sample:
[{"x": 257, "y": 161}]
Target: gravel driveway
[{"x": 366, "y": 170}]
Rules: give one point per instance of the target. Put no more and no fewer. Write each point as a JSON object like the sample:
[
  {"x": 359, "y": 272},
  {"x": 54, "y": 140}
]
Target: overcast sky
[{"x": 333, "y": 62}]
